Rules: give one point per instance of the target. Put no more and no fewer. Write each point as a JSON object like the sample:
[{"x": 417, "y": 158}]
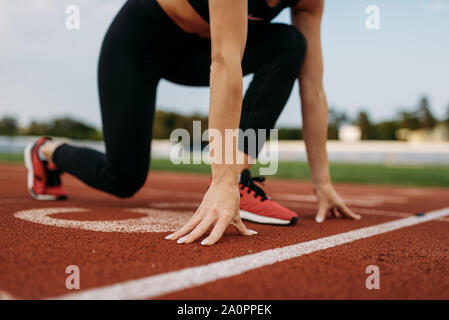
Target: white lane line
[
  {"x": 154, "y": 220},
  {"x": 154, "y": 286}
]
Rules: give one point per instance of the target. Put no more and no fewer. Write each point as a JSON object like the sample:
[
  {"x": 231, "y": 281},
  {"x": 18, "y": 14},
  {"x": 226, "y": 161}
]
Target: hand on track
[
  {"x": 220, "y": 207},
  {"x": 330, "y": 201}
]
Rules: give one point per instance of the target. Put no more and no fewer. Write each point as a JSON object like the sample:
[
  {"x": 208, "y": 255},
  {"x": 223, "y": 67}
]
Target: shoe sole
[
  {"x": 249, "y": 216},
  {"x": 30, "y": 178}
]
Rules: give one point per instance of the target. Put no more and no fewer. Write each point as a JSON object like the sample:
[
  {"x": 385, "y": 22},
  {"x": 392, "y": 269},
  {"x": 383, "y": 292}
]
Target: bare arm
[
  {"x": 306, "y": 16},
  {"x": 220, "y": 205},
  {"x": 228, "y": 24}
]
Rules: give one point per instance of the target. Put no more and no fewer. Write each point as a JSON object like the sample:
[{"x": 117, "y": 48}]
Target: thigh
[
  {"x": 189, "y": 60},
  {"x": 267, "y": 42},
  {"x": 189, "y": 63},
  {"x": 127, "y": 81}
]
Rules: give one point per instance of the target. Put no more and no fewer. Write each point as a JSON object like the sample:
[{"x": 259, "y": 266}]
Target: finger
[
  {"x": 242, "y": 229},
  {"x": 217, "y": 232},
  {"x": 200, "y": 229},
  {"x": 348, "y": 212},
  {"x": 336, "y": 213},
  {"x": 189, "y": 226},
  {"x": 321, "y": 214}
]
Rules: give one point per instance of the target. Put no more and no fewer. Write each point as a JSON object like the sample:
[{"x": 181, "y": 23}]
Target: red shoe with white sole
[
  {"x": 256, "y": 206},
  {"x": 44, "y": 181}
]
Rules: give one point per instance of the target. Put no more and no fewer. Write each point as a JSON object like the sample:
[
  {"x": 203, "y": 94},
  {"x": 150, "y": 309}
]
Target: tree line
[
  {"x": 165, "y": 122},
  {"x": 420, "y": 117},
  {"x": 59, "y": 127}
]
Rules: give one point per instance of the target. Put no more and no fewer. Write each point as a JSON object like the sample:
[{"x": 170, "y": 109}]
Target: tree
[
  {"x": 289, "y": 134},
  {"x": 335, "y": 120},
  {"x": 365, "y": 125},
  {"x": 447, "y": 115},
  {"x": 38, "y": 129},
  {"x": 424, "y": 114},
  {"x": 64, "y": 127},
  {"x": 386, "y": 130},
  {"x": 67, "y": 127},
  {"x": 9, "y": 126},
  {"x": 409, "y": 120}
]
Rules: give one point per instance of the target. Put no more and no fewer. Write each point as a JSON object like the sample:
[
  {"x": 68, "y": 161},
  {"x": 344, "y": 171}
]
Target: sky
[{"x": 47, "y": 70}]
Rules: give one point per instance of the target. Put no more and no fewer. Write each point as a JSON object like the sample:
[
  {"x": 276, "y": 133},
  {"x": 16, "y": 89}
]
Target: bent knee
[
  {"x": 294, "y": 46},
  {"x": 126, "y": 187}
]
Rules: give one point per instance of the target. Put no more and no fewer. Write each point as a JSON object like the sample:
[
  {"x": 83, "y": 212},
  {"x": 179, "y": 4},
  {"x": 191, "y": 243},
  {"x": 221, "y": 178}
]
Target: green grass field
[{"x": 427, "y": 176}]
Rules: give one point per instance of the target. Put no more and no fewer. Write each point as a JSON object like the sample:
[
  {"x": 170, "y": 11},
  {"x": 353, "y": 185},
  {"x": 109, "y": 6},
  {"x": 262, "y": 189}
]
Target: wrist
[
  {"x": 322, "y": 182},
  {"x": 224, "y": 176}
]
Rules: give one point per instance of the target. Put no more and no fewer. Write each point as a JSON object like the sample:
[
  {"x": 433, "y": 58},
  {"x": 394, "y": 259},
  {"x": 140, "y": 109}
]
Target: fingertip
[
  {"x": 175, "y": 236},
  {"x": 169, "y": 237},
  {"x": 319, "y": 219},
  {"x": 252, "y": 232},
  {"x": 208, "y": 242},
  {"x": 181, "y": 240}
]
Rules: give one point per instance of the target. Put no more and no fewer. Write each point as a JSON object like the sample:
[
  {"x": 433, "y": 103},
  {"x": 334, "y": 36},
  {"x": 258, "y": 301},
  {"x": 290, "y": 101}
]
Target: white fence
[{"x": 373, "y": 152}]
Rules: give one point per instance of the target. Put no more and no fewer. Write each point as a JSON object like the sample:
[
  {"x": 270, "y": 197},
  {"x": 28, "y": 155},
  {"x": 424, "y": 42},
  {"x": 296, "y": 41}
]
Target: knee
[{"x": 127, "y": 186}]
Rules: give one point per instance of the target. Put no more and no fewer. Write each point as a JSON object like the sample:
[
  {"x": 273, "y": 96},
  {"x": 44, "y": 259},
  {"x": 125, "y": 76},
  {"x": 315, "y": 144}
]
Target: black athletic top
[{"x": 257, "y": 9}]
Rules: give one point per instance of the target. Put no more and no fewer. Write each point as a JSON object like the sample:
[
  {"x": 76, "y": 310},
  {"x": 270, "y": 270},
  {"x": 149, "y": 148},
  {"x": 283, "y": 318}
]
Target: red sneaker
[
  {"x": 44, "y": 181},
  {"x": 256, "y": 206}
]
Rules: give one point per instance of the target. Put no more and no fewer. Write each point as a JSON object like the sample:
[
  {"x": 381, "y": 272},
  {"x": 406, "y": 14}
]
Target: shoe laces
[{"x": 250, "y": 182}]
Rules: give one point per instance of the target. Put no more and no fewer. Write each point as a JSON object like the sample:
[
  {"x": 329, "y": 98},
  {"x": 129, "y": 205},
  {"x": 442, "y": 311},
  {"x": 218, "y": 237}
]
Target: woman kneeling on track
[{"x": 200, "y": 43}]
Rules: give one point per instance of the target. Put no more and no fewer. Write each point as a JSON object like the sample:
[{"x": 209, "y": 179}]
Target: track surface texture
[{"x": 119, "y": 246}]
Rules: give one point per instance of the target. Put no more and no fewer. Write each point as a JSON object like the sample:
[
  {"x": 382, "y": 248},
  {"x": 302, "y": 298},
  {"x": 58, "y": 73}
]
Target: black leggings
[{"x": 142, "y": 46}]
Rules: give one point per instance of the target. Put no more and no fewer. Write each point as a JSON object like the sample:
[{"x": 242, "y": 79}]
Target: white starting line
[
  {"x": 154, "y": 220},
  {"x": 158, "y": 285}
]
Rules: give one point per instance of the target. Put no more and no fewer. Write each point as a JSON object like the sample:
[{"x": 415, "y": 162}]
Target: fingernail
[
  {"x": 169, "y": 237},
  {"x": 359, "y": 217},
  {"x": 253, "y": 232},
  {"x": 181, "y": 240},
  {"x": 204, "y": 242},
  {"x": 319, "y": 219}
]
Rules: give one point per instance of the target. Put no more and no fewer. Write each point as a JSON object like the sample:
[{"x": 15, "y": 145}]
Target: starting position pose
[{"x": 201, "y": 43}]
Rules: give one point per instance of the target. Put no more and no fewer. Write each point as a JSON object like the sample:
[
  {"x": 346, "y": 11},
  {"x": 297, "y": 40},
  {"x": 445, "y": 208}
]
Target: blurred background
[{"x": 387, "y": 89}]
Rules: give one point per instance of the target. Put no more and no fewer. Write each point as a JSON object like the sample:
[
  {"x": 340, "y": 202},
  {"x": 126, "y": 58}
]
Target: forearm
[
  {"x": 314, "y": 113},
  {"x": 226, "y": 87}
]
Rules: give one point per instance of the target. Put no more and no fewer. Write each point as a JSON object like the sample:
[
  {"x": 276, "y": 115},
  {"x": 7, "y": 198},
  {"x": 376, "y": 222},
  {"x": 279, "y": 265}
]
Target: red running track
[{"x": 101, "y": 239}]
